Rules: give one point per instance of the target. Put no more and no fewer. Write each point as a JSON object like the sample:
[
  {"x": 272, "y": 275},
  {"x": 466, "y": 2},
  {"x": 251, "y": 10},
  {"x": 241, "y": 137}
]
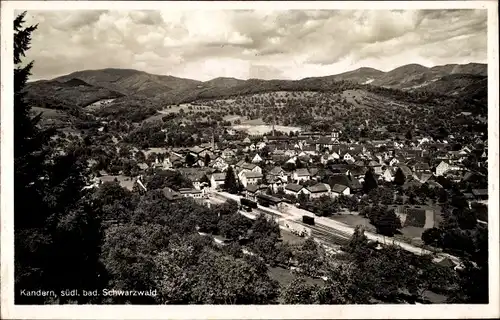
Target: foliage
[
  {"x": 299, "y": 292},
  {"x": 167, "y": 178},
  {"x": 370, "y": 183},
  {"x": 399, "y": 177},
  {"x": 57, "y": 231},
  {"x": 384, "y": 219},
  {"x": 230, "y": 183}
]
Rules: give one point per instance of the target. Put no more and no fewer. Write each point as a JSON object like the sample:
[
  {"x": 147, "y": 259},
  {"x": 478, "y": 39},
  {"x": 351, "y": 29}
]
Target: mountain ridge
[{"x": 87, "y": 86}]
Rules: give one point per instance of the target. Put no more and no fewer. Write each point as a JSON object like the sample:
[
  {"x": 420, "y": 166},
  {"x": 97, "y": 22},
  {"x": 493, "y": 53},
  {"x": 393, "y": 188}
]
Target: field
[
  {"x": 99, "y": 104},
  {"x": 186, "y": 107},
  {"x": 262, "y": 129},
  {"x": 125, "y": 182},
  {"x": 407, "y": 232},
  {"x": 354, "y": 220}
]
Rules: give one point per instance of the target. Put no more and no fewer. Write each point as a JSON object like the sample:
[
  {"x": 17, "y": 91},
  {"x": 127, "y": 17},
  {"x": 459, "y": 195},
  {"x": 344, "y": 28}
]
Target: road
[{"x": 331, "y": 229}]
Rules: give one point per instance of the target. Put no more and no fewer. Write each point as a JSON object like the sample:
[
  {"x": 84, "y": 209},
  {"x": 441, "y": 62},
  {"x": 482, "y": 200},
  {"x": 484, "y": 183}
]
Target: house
[
  {"x": 191, "y": 193},
  {"x": 314, "y": 173},
  {"x": 293, "y": 189},
  {"x": 219, "y": 164},
  {"x": 325, "y": 143},
  {"x": 227, "y": 153},
  {"x": 196, "y": 178},
  {"x": 301, "y": 175},
  {"x": 406, "y": 171},
  {"x": 422, "y": 167},
  {"x": 171, "y": 195},
  {"x": 257, "y": 158},
  {"x": 276, "y": 184},
  {"x": 376, "y": 166},
  {"x": 317, "y": 190},
  {"x": 422, "y": 177},
  {"x": 339, "y": 189},
  {"x": 250, "y": 177},
  {"x": 247, "y": 140},
  {"x": 251, "y": 191},
  {"x": 277, "y": 173},
  {"x": 356, "y": 172},
  {"x": 243, "y": 167},
  {"x": 347, "y": 157},
  {"x": 217, "y": 180},
  {"x": 355, "y": 186},
  {"x": 388, "y": 175},
  {"x": 198, "y": 152},
  {"x": 444, "y": 166},
  {"x": 269, "y": 201}
]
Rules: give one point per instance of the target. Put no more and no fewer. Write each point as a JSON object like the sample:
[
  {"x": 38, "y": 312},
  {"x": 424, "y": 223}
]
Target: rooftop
[
  {"x": 338, "y": 188},
  {"x": 293, "y": 187}
]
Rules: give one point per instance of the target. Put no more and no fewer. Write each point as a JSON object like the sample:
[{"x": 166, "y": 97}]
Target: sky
[{"x": 245, "y": 44}]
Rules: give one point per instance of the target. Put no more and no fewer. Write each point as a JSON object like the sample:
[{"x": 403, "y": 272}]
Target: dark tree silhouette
[
  {"x": 57, "y": 231},
  {"x": 399, "y": 177},
  {"x": 370, "y": 183},
  {"x": 207, "y": 160},
  {"x": 230, "y": 183}
]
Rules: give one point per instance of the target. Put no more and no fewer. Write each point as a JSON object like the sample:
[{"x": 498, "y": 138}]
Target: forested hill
[{"x": 110, "y": 82}]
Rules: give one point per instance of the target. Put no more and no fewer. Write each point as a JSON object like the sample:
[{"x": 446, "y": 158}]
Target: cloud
[{"x": 264, "y": 44}]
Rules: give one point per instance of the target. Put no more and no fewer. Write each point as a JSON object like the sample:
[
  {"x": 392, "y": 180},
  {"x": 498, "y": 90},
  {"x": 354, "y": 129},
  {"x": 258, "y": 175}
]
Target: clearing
[{"x": 99, "y": 104}]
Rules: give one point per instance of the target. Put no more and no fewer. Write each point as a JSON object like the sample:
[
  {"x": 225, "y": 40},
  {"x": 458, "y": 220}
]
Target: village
[{"x": 285, "y": 171}]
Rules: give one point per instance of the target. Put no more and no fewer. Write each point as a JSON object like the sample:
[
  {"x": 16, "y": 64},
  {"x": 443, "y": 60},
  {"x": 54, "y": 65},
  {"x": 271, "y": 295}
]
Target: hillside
[
  {"x": 128, "y": 81},
  {"x": 136, "y": 95},
  {"x": 360, "y": 76},
  {"x": 67, "y": 94},
  {"x": 222, "y": 82}
]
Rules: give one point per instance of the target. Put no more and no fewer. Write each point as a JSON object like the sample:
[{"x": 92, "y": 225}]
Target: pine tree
[
  {"x": 370, "y": 182},
  {"x": 207, "y": 160},
  {"x": 230, "y": 183},
  {"x": 56, "y": 230},
  {"x": 399, "y": 177}
]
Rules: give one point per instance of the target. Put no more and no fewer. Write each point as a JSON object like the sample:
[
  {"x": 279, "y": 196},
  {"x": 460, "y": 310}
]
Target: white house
[
  {"x": 249, "y": 177},
  {"x": 318, "y": 190},
  {"x": 220, "y": 164},
  {"x": 257, "y": 158},
  {"x": 217, "y": 180},
  {"x": 293, "y": 189},
  {"x": 246, "y": 167},
  {"x": 347, "y": 157},
  {"x": 387, "y": 175},
  {"x": 339, "y": 189},
  {"x": 191, "y": 193},
  {"x": 301, "y": 175},
  {"x": 442, "y": 168},
  {"x": 278, "y": 173},
  {"x": 261, "y": 145}
]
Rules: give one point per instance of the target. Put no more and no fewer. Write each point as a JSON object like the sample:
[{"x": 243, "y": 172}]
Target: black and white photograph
[{"x": 238, "y": 154}]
